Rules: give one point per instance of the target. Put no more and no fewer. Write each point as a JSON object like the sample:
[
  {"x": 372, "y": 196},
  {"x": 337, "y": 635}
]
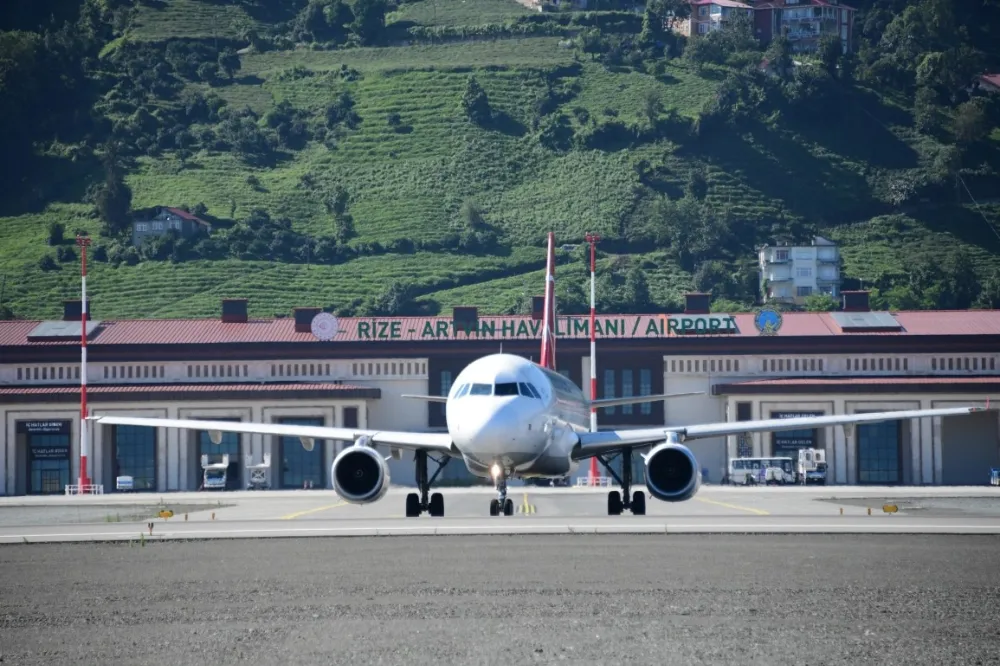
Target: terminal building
[{"x": 353, "y": 374}]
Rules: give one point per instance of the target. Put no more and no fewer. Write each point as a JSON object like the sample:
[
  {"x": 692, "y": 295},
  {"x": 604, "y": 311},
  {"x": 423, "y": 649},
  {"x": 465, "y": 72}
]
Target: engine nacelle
[
  {"x": 672, "y": 473},
  {"x": 360, "y": 475}
]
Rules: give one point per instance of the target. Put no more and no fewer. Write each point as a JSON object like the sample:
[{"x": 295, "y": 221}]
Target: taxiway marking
[
  {"x": 759, "y": 512},
  {"x": 316, "y": 510}
]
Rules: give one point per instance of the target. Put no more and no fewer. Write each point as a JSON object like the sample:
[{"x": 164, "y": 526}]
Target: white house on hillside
[{"x": 791, "y": 273}]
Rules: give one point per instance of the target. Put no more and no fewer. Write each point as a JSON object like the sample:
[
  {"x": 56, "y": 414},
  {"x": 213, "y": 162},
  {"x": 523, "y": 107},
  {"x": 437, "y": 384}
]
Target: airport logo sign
[
  {"x": 767, "y": 321},
  {"x": 326, "y": 327}
]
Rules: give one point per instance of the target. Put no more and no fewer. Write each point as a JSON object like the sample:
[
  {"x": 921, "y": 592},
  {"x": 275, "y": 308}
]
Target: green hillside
[{"x": 372, "y": 156}]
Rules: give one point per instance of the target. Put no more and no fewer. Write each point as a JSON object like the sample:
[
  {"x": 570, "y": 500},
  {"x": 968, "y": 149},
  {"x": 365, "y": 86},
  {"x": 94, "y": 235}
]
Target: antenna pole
[{"x": 83, "y": 242}]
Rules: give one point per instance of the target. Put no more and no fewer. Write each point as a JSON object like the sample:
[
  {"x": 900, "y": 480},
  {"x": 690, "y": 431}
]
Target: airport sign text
[{"x": 645, "y": 326}]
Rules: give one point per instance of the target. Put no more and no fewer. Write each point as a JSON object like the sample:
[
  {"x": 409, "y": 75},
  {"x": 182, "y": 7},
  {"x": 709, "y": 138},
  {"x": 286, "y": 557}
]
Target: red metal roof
[
  {"x": 255, "y": 387},
  {"x": 428, "y": 329},
  {"x": 844, "y": 381},
  {"x": 782, "y": 4},
  {"x": 183, "y": 214}
]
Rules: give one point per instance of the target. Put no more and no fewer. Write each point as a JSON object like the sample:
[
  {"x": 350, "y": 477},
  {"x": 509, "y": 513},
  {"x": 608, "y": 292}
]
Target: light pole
[
  {"x": 84, "y": 243},
  {"x": 592, "y": 239}
]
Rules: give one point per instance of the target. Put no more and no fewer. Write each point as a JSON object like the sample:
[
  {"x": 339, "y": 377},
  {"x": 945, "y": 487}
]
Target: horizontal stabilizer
[
  {"x": 428, "y": 398},
  {"x": 632, "y": 400}
]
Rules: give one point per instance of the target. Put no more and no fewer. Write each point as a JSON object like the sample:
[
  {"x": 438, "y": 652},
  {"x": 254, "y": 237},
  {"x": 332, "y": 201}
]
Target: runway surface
[
  {"x": 594, "y": 599},
  {"x": 716, "y": 509}
]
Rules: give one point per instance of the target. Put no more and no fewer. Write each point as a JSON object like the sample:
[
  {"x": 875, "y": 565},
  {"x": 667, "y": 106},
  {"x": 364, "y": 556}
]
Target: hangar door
[{"x": 969, "y": 448}]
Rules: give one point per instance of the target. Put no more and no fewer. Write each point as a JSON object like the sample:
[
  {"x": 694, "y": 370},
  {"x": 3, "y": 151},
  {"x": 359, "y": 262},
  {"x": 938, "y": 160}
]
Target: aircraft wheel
[
  {"x": 437, "y": 505},
  {"x": 494, "y": 507},
  {"x": 508, "y": 507},
  {"x": 638, "y": 503},
  {"x": 412, "y": 505},
  {"x": 614, "y": 503}
]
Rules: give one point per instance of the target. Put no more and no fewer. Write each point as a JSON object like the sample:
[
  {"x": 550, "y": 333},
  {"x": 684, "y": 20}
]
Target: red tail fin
[{"x": 549, "y": 317}]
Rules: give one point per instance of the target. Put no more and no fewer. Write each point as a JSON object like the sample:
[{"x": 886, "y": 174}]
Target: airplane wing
[
  {"x": 428, "y": 398},
  {"x": 606, "y": 441},
  {"x": 432, "y": 442},
  {"x": 631, "y": 400}
]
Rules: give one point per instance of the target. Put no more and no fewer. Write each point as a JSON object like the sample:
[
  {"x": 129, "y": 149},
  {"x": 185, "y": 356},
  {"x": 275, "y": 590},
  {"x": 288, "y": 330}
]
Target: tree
[
  {"x": 779, "y": 57},
  {"x": 652, "y": 107},
  {"x": 830, "y": 51},
  {"x": 970, "y": 123},
  {"x": 821, "y": 303},
  {"x": 369, "y": 20},
  {"x": 636, "y": 291},
  {"x": 229, "y": 63},
  {"x": 476, "y": 103}
]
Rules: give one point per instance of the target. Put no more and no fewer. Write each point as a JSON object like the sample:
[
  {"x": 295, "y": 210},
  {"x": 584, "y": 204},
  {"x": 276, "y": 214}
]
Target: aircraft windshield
[
  {"x": 507, "y": 388},
  {"x": 481, "y": 389}
]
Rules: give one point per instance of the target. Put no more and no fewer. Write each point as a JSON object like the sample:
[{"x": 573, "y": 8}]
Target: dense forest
[{"x": 896, "y": 135}]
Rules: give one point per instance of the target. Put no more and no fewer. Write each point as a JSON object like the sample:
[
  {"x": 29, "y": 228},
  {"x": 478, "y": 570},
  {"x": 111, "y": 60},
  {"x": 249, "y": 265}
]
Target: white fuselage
[{"x": 504, "y": 409}]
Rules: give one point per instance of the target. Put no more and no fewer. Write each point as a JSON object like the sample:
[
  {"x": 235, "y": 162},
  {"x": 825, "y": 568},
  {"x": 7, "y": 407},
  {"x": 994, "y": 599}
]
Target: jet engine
[
  {"x": 672, "y": 473},
  {"x": 360, "y": 474}
]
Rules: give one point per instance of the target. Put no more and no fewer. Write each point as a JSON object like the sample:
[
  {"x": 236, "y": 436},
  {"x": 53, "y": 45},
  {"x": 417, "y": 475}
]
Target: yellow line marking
[
  {"x": 525, "y": 506},
  {"x": 759, "y": 512},
  {"x": 316, "y": 510}
]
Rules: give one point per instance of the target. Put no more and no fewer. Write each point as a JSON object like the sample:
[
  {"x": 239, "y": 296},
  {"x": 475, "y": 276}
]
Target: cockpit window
[
  {"x": 507, "y": 388},
  {"x": 481, "y": 389},
  {"x": 462, "y": 390},
  {"x": 528, "y": 390}
]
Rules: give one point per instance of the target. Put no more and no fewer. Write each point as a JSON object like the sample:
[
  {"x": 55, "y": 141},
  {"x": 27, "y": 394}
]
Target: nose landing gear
[{"x": 501, "y": 504}]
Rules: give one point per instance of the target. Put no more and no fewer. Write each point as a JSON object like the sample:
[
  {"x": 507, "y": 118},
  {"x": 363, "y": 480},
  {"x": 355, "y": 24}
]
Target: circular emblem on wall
[
  {"x": 767, "y": 321},
  {"x": 324, "y": 326}
]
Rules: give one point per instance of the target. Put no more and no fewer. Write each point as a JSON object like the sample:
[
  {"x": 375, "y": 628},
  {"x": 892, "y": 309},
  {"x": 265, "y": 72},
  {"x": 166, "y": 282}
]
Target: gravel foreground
[{"x": 692, "y": 599}]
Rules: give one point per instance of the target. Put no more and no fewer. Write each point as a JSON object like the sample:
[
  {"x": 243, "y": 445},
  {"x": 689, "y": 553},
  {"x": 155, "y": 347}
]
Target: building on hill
[
  {"x": 164, "y": 219},
  {"x": 804, "y": 22},
  {"x": 709, "y": 15},
  {"x": 791, "y": 274},
  {"x": 235, "y": 367}
]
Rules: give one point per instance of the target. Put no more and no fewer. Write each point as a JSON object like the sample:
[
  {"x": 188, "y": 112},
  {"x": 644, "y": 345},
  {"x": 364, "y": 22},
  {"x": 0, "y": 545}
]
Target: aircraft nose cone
[{"x": 490, "y": 432}]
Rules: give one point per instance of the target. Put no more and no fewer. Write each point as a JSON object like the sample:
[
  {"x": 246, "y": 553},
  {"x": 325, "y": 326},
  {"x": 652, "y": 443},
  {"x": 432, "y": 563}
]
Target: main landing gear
[
  {"x": 501, "y": 504},
  {"x": 637, "y": 502},
  {"x": 417, "y": 504}
]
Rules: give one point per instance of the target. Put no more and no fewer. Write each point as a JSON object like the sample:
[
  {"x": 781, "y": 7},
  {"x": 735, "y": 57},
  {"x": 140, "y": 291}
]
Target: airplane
[{"x": 510, "y": 417}]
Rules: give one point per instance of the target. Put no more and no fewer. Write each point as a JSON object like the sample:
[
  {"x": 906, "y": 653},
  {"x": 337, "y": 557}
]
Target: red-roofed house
[
  {"x": 164, "y": 219},
  {"x": 237, "y": 367},
  {"x": 804, "y": 22},
  {"x": 989, "y": 82}
]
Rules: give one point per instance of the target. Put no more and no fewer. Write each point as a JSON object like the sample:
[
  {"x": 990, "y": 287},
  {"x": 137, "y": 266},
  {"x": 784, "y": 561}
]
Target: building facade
[
  {"x": 791, "y": 274},
  {"x": 270, "y": 370},
  {"x": 710, "y": 15},
  {"x": 805, "y": 22}
]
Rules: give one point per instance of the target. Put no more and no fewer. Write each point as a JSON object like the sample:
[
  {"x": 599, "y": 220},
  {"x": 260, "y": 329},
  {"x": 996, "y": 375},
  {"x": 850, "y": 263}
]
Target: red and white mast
[
  {"x": 83, "y": 242},
  {"x": 592, "y": 239}
]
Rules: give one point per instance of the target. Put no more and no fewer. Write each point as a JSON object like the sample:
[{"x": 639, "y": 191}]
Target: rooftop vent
[
  {"x": 304, "y": 317},
  {"x": 855, "y": 301},
  {"x": 465, "y": 318},
  {"x": 697, "y": 303},
  {"x": 234, "y": 311},
  {"x": 538, "y": 308},
  {"x": 73, "y": 308}
]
